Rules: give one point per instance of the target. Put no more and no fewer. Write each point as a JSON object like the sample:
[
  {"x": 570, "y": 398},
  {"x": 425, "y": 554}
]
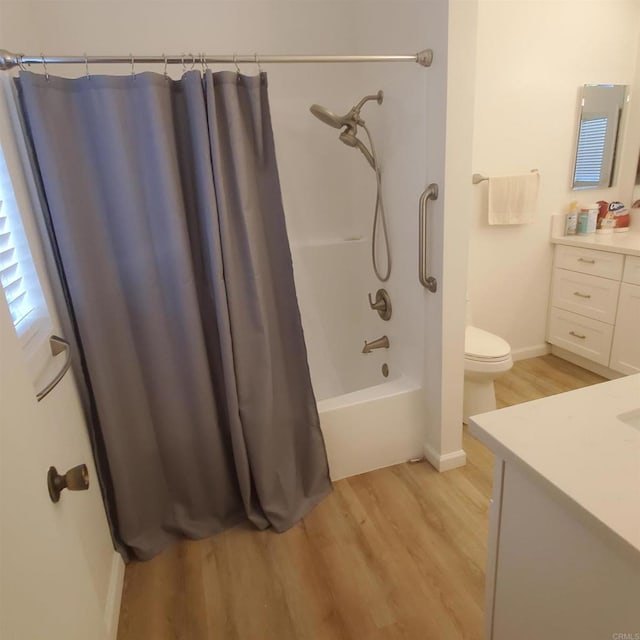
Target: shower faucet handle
[{"x": 382, "y": 304}]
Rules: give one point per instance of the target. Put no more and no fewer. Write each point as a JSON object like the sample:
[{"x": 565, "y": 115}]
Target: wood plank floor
[{"x": 394, "y": 553}]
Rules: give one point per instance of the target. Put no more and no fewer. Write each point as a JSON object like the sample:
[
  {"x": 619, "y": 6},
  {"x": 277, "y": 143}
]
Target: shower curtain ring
[
  {"x": 44, "y": 64},
  {"x": 184, "y": 66},
  {"x": 86, "y": 65},
  {"x": 193, "y": 62},
  {"x": 133, "y": 73},
  {"x": 203, "y": 62},
  {"x": 235, "y": 61},
  {"x": 21, "y": 63},
  {"x": 255, "y": 55}
]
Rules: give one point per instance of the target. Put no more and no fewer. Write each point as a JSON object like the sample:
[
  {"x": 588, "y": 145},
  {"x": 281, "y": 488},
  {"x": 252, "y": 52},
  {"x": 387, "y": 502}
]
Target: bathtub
[{"x": 369, "y": 420}]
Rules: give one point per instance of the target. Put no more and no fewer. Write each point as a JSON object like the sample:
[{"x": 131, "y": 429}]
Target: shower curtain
[{"x": 164, "y": 207}]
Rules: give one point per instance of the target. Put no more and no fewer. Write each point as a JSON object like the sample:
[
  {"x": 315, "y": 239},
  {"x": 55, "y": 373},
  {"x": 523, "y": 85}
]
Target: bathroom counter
[
  {"x": 627, "y": 243},
  {"x": 563, "y": 552},
  {"x": 576, "y": 442}
]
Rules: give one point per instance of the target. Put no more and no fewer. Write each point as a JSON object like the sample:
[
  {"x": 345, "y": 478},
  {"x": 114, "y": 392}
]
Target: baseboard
[
  {"x": 530, "y": 352},
  {"x": 114, "y": 596},
  {"x": 585, "y": 363},
  {"x": 446, "y": 461}
]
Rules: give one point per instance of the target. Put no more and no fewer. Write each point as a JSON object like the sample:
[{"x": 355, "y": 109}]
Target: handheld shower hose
[
  {"x": 379, "y": 217},
  {"x": 349, "y": 137}
]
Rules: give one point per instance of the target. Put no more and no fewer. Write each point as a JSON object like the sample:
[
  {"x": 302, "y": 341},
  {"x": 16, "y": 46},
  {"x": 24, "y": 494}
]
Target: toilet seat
[
  {"x": 473, "y": 368},
  {"x": 486, "y": 357},
  {"x": 485, "y": 347}
]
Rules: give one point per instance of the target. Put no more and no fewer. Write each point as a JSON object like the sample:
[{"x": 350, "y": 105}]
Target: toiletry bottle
[
  {"x": 591, "y": 210},
  {"x": 571, "y": 221},
  {"x": 583, "y": 223}
]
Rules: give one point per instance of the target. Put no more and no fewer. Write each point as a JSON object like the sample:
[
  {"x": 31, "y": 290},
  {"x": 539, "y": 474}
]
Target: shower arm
[{"x": 354, "y": 114}]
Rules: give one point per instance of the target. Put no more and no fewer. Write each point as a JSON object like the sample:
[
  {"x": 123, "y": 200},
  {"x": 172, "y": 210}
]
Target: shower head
[
  {"x": 350, "y": 120},
  {"x": 328, "y": 117}
]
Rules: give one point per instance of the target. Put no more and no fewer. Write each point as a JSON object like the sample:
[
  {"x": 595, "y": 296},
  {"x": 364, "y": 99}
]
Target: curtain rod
[{"x": 10, "y": 60}]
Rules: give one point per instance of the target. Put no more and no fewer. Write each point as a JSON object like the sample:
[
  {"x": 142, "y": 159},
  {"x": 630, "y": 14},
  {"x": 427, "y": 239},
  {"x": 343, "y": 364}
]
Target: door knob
[{"x": 76, "y": 479}]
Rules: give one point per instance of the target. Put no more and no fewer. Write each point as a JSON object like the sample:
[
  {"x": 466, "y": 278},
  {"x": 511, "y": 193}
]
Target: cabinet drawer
[
  {"x": 631, "y": 270},
  {"x": 584, "y": 336},
  {"x": 596, "y": 263},
  {"x": 587, "y": 295},
  {"x": 625, "y": 351}
]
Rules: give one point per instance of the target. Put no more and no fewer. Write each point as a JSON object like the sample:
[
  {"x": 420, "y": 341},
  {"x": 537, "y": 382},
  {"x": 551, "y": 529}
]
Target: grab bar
[
  {"x": 58, "y": 345},
  {"x": 429, "y": 282}
]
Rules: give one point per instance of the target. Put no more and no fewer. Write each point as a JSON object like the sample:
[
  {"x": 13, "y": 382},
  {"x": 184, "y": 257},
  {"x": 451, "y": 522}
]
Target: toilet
[{"x": 486, "y": 356}]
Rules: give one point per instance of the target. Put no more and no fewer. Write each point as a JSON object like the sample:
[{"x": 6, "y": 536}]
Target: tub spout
[{"x": 380, "y": 343}]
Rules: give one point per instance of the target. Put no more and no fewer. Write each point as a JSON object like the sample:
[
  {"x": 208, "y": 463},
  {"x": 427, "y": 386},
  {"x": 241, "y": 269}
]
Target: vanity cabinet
[
  {"x": 551, "y": 573},
  {"x": 594, "y": 310},
  {"x": 563, "y": 551},
  {"x": 625, "y": 351}
]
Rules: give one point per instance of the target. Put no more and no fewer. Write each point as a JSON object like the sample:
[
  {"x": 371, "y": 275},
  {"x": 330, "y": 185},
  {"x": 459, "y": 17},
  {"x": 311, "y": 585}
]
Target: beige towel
[{"x": 513, "y": 199}]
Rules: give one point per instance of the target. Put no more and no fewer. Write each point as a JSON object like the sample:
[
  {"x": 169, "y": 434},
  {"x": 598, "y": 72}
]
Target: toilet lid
[{"x": 479, "y": 344}]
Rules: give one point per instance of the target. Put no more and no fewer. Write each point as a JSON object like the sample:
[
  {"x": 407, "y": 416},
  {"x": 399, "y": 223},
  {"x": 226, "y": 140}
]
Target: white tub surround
[
  {"x": 594, "y": 306},
  {"x": 373, "y": 428},
  {"x": 565, "y": 515},
  {"x": 368, "y": 420}
]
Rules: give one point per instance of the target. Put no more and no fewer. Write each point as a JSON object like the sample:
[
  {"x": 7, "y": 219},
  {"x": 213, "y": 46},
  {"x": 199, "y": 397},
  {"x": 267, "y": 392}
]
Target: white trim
[
  {"x": 114, "y": 596},
  {"x": 493, "y": 545},
  {"x": 585, "y": 363},
  {"x": 530, "y": 352},
  {"x": 445, "y": 461}
]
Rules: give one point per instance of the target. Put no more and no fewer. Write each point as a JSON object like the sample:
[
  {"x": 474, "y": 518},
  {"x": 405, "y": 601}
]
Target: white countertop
[
  {"x": 576, "y": 442},
  {"x": 627, "y": 242}
]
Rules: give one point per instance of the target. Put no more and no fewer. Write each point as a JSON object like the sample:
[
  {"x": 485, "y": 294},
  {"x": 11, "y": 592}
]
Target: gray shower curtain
[{"x": 165, "y": 210}]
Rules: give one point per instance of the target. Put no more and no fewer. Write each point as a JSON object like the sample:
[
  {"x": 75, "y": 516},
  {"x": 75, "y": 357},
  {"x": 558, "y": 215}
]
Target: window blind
[
  {"x": 12, "y": 275},
  {"x": 591, "y": 151}
]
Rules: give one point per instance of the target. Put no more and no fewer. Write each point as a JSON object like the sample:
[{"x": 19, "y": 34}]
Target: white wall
[
  {"x": 631, "y": 155},
  {"x": 451, "y": 125},
  {"x": 532, "y": 59}
]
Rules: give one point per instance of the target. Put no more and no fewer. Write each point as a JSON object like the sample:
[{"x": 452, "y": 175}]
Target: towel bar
[{"x": 477, "y": 178}]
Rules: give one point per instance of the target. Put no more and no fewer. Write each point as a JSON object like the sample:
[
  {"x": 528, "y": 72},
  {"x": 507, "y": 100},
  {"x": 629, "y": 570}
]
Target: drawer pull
[
  {"x": 592, "y": 261},
  {"x": 576, "y": 335},
  {"x": 582, "y": 295}
]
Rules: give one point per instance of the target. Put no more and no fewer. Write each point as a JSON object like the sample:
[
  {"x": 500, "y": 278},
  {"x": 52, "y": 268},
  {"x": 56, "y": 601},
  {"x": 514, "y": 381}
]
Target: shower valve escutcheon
[
  {"x": 380, "y": 343},
  {"x": 382, "y": 304}
]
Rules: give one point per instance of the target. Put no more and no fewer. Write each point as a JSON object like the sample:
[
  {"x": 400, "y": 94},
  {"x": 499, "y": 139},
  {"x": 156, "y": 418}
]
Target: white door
[
  {"x": 60, "y": 578},
  {"x": 45, "y": 584}
]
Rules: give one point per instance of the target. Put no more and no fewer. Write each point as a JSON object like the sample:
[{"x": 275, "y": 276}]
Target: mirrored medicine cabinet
[{"x": 598, "y": 135}]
